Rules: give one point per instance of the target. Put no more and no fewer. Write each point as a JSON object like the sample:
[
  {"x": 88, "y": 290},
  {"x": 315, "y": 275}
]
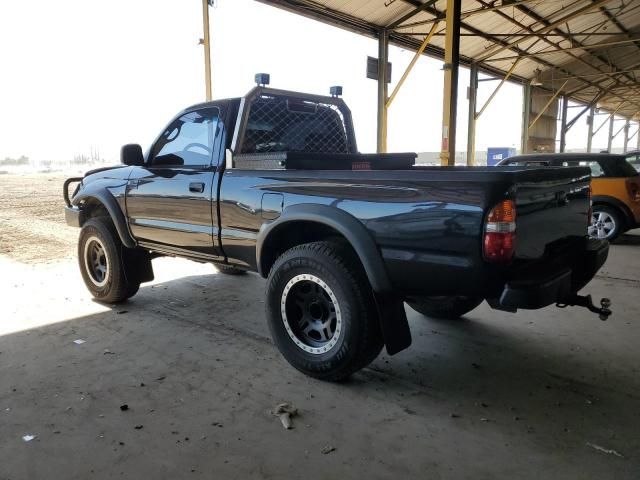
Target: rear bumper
[
  {"x": 564, "y": 273},
  {"x": 73, "y": 216}
]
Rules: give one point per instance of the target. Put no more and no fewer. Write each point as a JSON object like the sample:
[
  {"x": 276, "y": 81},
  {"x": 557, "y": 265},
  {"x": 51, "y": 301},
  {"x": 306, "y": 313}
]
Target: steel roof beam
[
  {"x": 569, "y": 49},
  {"x": 546, "y": 40},
  {"x": 313, "y": 10},
  {"x": 549, "y": 26},
  {"x": 566, "y": 35},
  {"x": 615, "y": 21},
  {"x": 437, "y": 14},
  {"x": 411, "y": 14},
  {"x": 498, "y": 35}
]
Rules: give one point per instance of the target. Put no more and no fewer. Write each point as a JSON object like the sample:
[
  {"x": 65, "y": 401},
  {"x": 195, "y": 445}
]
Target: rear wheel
[
  {"x": 321, "y": 311},
  {"x": 447, "y": 308},
  {"x": 103, "y": 268},
  {"x": 606, "y": 223}
]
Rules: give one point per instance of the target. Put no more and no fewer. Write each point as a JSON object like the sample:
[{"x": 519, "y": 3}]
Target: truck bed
[{"x": 427, "y": 221}]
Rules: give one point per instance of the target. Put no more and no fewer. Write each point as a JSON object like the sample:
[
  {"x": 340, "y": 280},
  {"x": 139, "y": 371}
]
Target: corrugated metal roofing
[{"x": 594, "y": 44}]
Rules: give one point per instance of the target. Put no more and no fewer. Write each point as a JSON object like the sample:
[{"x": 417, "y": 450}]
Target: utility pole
[{"x": 206, "y": 42}]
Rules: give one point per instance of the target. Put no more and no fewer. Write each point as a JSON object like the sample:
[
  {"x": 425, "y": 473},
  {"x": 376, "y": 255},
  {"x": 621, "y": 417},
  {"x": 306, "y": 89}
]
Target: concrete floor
[{"x": 545, "y": 394}]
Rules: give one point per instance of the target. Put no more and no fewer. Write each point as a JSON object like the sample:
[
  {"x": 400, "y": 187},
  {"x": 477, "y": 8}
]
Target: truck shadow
[{"x": 476, "y": 372}]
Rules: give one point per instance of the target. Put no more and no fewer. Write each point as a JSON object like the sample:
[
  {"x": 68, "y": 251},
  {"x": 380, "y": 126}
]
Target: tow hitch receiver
[{"x": 586, "y": 301}]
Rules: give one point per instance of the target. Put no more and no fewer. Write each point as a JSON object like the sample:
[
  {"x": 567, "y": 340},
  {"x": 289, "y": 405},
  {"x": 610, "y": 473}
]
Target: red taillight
[
  {"x": 500, "y": 232},
  {"x": 633, "y": 187}
]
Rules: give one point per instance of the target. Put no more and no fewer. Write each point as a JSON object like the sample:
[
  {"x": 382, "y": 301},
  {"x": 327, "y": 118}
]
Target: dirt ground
[
  {"x": 550, "y": 394},
  {"x": 32, "y": 219}
]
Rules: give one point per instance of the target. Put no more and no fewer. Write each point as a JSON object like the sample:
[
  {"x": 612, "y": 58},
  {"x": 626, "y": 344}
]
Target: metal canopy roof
[{"x": 589, "y": 49}]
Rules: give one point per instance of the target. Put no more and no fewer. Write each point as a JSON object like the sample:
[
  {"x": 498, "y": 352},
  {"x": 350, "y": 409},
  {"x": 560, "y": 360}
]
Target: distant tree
[
  {"x": 22, "y": 160},
  {"x": 80, "y": 159},
  {"x": 83, "y": 159}
]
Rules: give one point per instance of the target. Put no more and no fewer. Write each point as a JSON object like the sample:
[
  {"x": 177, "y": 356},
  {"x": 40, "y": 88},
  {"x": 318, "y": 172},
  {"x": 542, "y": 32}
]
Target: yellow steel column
[
  {"x": 526, "y": 117},
  {"x": 450, "y": 91},
  {"x": 383, "y": 58},
  {"x": 471, "y": 125},
  {"x": 206, "y": 42}
]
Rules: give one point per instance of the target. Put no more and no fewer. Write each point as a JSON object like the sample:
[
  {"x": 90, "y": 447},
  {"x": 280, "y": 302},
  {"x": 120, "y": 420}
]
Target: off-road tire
[
  {"x": 447, "y": 308},
  {"x": 334, "y": 265},
  {"x": 115, "y": 286}
]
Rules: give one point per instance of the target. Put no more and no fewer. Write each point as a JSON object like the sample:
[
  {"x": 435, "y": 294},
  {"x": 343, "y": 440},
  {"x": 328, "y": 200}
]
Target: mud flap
[
  {"x": 393, "y": 322},
  {"x": 137, "y": 265}
]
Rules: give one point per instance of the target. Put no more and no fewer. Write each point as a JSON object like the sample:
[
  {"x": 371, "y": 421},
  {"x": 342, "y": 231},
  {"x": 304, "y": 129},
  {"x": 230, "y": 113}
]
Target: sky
[{"x": 82, "y": 75}]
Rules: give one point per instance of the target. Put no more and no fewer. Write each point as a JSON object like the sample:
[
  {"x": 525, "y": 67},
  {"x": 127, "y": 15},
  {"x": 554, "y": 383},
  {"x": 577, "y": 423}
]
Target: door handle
[{"x": 197, "y": 187}]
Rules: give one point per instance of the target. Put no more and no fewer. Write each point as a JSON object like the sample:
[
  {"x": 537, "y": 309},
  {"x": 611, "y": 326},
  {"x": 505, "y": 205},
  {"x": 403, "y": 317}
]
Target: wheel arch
[
  {"x": 311, "y": 222},
  {"x": 103, "y": 199}
]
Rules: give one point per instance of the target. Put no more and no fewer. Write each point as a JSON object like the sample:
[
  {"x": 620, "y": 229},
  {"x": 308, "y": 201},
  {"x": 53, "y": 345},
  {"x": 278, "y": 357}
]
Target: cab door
[{"x": 171, "y": 199}]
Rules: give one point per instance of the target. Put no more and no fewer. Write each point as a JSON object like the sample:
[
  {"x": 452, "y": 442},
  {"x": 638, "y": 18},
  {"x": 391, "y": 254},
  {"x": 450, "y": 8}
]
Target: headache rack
[{"x": 283, "y": 130}]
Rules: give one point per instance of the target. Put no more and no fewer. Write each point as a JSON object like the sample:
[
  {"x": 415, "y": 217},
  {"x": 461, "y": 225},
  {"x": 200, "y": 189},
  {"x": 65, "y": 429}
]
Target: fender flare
[
  {"x": 109, "y": 202},
  {"x": 614, "y": 202},
  {"x": 345, "y": 224}
]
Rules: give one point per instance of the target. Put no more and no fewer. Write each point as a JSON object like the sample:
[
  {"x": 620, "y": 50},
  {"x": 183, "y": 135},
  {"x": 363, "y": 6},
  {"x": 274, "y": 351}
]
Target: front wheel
[
  {"x": 100, "y": 255},
  {"x": 321, "y": 311},
  {"x": 448, "y": 308}
]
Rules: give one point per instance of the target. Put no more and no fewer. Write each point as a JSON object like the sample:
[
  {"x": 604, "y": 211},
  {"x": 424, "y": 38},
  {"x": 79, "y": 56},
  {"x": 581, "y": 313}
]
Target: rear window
[{"x": 278, "y": 124}]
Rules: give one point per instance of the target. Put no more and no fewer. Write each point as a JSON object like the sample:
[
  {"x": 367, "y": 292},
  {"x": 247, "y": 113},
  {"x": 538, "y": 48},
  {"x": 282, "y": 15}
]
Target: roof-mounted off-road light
[
  {"x": 262, "y": 79},
  {"x": 335, "y": 91}
]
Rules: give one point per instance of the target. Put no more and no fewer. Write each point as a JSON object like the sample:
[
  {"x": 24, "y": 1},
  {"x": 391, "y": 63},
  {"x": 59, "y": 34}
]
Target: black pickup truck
[{"x": 273, "y": 183}]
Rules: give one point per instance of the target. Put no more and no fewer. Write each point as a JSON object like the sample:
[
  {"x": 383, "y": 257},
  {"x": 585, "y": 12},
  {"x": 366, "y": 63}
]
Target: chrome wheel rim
[
  {"x": 311, "y": 314},
  {"x": 96, "y": 261},
  {"x": 602, "y": 225}
]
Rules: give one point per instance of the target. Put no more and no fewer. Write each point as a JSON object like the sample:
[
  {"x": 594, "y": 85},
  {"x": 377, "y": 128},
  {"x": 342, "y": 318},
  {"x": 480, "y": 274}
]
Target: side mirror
[{"x": 131, "y": 154}]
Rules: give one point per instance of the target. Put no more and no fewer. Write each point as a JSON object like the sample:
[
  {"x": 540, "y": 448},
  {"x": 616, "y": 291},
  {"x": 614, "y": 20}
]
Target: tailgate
[{"x": 552, "y": 204}]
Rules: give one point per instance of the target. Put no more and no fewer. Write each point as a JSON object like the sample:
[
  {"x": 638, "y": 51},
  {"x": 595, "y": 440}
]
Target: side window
[
  {"x": 188, "y": 140},
  {"x": 596, "y": 169}
]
